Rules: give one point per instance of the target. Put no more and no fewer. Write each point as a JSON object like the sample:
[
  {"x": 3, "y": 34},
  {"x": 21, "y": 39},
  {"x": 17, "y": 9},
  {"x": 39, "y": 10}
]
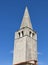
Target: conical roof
[{"x": 26, "y": 20}]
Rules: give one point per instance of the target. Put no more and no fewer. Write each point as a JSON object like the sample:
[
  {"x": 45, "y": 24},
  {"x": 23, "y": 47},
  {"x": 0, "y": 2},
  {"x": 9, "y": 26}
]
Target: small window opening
[
  {"x": 30, "y": 34},
  {"x": 33, "y": 34},
  {"x": 19, "y": 34},
  {"x": 22, "y": 33}
]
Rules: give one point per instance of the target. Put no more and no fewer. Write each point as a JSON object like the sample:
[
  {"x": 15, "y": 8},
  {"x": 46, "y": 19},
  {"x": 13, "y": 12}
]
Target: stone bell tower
[{"x": 25, "y": 43}]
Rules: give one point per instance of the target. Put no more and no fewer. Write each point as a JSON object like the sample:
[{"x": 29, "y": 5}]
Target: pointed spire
[{"x": 26, "y": 20}]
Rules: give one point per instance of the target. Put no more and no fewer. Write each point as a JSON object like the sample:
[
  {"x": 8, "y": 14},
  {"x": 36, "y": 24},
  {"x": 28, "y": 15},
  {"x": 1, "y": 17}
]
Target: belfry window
[
  {"x": 19, "y": 34},
  {"x": 22, "y": 33},
  {"x": 30, "y": 34}
]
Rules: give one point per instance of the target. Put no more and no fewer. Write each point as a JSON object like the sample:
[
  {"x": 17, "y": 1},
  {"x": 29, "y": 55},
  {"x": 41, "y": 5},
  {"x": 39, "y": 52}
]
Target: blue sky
[{"x": 11, "y": 13}]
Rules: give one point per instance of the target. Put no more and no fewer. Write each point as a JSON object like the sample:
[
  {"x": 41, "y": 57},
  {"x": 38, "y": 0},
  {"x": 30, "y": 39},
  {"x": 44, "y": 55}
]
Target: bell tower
[{"x": 25, "y": 43}]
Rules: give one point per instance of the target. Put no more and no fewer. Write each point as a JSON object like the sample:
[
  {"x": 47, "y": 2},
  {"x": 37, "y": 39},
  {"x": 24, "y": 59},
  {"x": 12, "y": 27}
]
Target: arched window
[
  {"x": 30, "y": 34},
  {"x": 33, "y": 34},
  {"x": 19, "y": 34},
  {"x": 22, "y": 33}
]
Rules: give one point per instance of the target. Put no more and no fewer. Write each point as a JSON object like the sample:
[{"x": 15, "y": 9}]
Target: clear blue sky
[{"x": 11, "y": 13}]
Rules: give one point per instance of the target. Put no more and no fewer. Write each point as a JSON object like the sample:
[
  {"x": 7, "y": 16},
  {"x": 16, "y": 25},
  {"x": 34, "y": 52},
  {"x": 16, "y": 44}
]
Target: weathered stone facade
[{"x": 25, "y": 43}]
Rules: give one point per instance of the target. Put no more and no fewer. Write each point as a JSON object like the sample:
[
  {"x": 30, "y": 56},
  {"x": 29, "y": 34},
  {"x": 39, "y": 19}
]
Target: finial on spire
[{"x": 26, "y": 19}]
